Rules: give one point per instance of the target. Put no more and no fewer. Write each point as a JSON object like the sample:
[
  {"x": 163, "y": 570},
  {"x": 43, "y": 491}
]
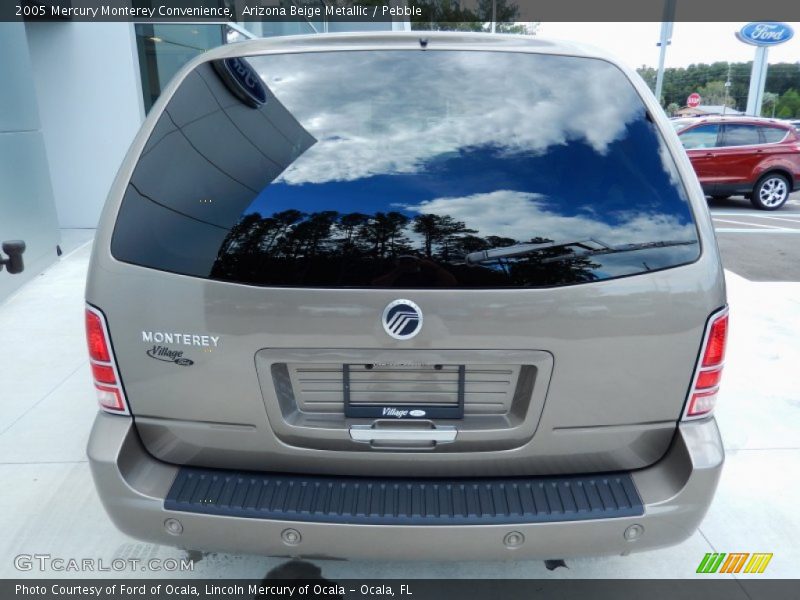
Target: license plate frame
[{"x": 399, "y": 411}]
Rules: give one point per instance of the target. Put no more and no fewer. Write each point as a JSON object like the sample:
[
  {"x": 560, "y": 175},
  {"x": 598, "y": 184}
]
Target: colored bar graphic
[
  {"x": 758, "y": 563},
  {"x": 710, "y": 562},
  {"x": 734, "y": 562},
  {"x": 740, "y": 564},
  {"x": 720, "y": 562},
  {"x": 717, "y": 562}
]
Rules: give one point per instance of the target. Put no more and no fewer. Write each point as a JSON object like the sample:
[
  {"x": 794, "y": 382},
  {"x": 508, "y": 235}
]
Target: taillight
[
  {"x": 103, "y": 373},
  {"x": 705, "y": 383},
  {"x": 715, "y": 343},
  {"x": 104, "y": 369},
  {"x": 708, "y": 379},
  {"x": 96, "y": 337}
]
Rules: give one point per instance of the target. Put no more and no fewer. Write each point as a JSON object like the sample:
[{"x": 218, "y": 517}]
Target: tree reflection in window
[{"x": 385, "y": 249}]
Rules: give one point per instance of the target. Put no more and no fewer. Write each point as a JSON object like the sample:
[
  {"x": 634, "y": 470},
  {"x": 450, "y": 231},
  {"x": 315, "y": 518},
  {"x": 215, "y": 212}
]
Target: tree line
[
  {"x": 782, "y": 99},
  {"x": 333, "y": 248},
  {"x": 293, "y": 234}
]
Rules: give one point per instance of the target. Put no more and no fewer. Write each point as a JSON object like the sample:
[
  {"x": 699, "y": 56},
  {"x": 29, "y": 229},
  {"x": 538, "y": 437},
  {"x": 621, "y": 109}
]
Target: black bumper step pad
[{"x": 395, "y": 501}]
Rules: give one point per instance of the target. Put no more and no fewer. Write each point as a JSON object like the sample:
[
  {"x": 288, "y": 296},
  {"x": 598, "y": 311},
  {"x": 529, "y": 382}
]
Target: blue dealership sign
[{"x": 765, "y": 33}]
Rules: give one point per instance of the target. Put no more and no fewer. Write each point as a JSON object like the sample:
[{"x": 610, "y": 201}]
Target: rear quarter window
[
  {"x": 773, "y": 135},
  {"x": 398, "y": 168}
]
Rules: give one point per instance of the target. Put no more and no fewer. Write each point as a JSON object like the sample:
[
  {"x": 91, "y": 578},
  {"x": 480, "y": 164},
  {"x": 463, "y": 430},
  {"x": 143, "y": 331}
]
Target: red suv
[{"x": 757, "y": 158}]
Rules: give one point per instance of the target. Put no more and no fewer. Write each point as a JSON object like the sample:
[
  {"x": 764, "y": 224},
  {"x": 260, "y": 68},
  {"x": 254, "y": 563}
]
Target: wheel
[{"x": 771, "y": 192}]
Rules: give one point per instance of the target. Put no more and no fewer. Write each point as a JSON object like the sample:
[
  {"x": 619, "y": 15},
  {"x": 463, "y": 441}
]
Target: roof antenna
[{"x": 423, "y": 42}]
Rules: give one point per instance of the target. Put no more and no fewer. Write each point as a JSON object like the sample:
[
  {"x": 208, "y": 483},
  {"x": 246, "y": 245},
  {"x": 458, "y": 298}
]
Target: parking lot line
[
  {"x": 773, "y": 227},
  {"x": 749, "y": 213},
  {"x": 743, "y": 230},
  {"x": 787, "y": 219}
]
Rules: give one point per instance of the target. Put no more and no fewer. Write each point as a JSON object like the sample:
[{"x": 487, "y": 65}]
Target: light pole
[
  {"x": 664, "y": 41},
  {"x": 727, "y": 91},
  {"x": 758, "y": 80}
]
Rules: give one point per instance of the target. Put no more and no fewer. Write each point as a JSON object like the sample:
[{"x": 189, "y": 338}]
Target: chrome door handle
[{"x": 366, "y": 433}]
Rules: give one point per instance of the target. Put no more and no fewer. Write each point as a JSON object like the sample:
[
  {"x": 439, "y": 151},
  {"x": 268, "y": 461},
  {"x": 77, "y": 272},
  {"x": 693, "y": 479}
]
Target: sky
[
  {"x": 635, "y": 43},
  {"x": 494, "y": 156}
]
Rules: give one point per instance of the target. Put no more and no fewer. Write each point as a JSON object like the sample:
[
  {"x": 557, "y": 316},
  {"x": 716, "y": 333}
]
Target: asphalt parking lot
[
  {"x": 759, "y": 245},
  {"x": 49, "y": 505}
]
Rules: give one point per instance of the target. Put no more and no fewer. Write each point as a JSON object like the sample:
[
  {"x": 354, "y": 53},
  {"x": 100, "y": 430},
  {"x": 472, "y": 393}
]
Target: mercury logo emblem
[{"x": 402, "y": 319}]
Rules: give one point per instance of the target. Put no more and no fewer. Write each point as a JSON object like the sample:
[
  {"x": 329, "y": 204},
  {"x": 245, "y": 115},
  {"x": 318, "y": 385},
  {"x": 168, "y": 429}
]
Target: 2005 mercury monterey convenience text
[{"x": 390, "y": 297}]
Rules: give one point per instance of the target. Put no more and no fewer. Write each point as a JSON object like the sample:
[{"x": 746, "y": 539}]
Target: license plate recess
[{"x": 403, "y": 392}]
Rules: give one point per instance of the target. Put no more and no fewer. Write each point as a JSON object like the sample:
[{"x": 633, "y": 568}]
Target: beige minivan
[{"x": 388, "y": 296}]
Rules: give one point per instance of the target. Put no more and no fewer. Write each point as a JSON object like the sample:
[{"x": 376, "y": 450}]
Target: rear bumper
[{"x": 675, "y": 494}]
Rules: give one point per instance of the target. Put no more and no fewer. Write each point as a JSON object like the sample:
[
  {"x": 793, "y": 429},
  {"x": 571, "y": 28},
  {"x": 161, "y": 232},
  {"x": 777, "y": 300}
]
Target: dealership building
[{"x": 74, "y": 95}]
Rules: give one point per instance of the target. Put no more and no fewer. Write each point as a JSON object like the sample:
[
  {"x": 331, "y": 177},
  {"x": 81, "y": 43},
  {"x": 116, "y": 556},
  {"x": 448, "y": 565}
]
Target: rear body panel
[{"x": 213, "y": 413}]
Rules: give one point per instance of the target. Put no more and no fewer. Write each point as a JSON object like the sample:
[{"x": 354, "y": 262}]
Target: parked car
[
  {"x": 757, "y": 158},
  {"x": 378, "y": 296},
  {"x": 795, "y": 123}
]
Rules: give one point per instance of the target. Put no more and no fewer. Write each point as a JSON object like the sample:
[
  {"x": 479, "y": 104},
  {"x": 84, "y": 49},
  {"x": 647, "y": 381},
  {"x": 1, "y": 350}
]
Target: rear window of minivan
[{"x": 401, "y": 168}]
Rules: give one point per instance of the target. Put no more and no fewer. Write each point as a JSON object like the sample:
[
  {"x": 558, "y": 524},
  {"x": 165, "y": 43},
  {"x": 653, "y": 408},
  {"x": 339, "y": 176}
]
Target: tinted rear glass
[{"x": 398, "y": 168}]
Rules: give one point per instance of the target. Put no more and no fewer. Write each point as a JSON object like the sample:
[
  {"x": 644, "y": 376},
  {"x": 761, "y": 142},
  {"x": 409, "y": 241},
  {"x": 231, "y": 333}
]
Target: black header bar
[{"x": 420, "y": 13}]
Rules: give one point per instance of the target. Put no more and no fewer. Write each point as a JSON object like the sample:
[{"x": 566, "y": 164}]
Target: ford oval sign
[
  {"x": 765, "y": 33},
  {"x": 242, "y": 80}
]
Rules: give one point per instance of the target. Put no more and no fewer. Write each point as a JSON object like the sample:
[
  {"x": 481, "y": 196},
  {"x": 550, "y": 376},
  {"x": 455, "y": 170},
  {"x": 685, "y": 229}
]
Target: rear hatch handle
[{"x": 370, "y": 433}]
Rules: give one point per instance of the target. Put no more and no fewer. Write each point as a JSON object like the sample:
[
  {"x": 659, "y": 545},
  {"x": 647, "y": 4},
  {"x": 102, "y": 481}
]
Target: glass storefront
[{"x": 164, "y": 48}]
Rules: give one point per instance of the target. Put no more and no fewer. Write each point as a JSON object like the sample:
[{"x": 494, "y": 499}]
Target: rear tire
[{"x": 771, "y": 192}]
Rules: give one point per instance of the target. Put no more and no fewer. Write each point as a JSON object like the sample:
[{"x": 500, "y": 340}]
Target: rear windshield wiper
[{"x": 578, "y": 248}]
